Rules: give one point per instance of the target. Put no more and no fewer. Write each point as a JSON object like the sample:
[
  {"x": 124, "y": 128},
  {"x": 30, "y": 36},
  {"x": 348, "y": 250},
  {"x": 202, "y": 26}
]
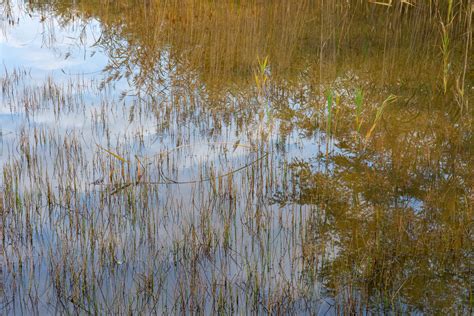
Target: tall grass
[
  {"x": 174, "y": 197},
  {"x": 359, "y": 101},
  {"x": 378, "y": 115}
]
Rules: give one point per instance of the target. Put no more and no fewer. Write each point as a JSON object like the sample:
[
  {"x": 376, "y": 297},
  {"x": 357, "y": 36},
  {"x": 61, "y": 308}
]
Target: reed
[
  {"x": 378, "y": 115},
  {"x": 329, "y": 109},
  {"x": 359, "y": 100},
  {"x": 203, "y": 185}
]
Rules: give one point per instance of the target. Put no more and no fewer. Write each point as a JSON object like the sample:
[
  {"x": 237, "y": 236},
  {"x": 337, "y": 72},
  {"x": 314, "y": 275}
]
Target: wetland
[{"x": 236, "y": 157}]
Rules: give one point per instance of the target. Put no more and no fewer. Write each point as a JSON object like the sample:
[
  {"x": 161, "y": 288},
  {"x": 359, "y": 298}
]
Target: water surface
[{"x": 247, "y": 157}]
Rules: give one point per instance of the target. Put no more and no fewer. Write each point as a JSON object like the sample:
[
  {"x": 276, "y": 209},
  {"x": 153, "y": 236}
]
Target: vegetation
[{"x": 238, "y": 157}]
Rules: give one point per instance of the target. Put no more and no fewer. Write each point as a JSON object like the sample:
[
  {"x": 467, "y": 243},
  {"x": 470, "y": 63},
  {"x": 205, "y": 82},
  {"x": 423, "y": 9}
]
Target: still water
[{"x": 287, "y": 157}]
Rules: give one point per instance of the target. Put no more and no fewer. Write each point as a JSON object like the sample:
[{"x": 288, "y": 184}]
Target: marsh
[{"x": 236, "y": 157}]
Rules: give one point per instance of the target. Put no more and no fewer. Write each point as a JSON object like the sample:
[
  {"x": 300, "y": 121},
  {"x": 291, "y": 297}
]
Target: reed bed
[{"x": 266, "y": 158}]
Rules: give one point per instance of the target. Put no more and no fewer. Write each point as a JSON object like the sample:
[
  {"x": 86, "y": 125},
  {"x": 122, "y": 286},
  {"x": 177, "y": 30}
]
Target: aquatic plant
[
  {"x": 378, "y": 115},
  {"x": 159, "y": 185},
  {"x": 359, "y": 100}
]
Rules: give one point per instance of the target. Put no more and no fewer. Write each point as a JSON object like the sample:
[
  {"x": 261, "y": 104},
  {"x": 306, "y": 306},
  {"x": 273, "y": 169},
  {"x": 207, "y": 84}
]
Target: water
[{"x": 161, "y": 158}]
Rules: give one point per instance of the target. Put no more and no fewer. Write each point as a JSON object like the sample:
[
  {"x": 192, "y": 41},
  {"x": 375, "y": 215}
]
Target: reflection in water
[
  {"x": 2, "y": 292},
  {"x": 264, "y": 157},
  {"x": 402, "y": 223}
]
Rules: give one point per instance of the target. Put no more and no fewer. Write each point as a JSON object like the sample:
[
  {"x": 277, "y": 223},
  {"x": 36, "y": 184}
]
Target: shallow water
[{"x": 285, "y": 157}]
